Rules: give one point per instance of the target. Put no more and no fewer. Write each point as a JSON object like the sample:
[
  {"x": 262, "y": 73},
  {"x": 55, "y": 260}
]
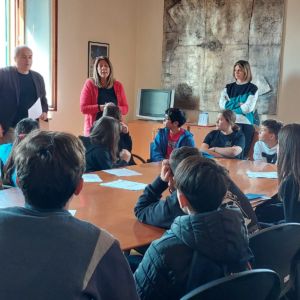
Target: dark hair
[
  {"x": 112, "y": 111},
  {"x": 273, "y": 126},
  {"x": 288, "y": 163},
  {"x": 230, "y": 117},
  {"x": 203, "y": 182},
  {"x": 245, "y": 66},
  {"x": 23, "y": 127},
  {"x": 106, "y": 132},
  {"x": 49, "y": 167},
  {"x": 176, "y": 115},
  {"x": 179, "y": 154}
]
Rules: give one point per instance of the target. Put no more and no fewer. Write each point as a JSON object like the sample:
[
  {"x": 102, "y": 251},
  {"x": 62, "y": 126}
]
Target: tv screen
[{"x": 152, "y": 103}]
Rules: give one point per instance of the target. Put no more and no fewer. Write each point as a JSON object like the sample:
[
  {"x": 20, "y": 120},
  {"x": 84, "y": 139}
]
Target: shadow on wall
[{"x": 289, "y": 100}]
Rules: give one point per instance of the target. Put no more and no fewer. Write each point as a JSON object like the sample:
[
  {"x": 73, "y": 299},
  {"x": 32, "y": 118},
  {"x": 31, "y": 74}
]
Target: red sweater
[{"x": 89, "y": 102}]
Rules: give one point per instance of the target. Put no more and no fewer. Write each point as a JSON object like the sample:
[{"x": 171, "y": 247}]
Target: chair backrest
[
  {"x": 277, "y": 248},
  {"x": 261, "y": 284}
]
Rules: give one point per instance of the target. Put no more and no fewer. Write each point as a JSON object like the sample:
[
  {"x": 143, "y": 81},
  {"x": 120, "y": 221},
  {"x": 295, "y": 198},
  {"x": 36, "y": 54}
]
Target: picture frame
[{"x": 96, "y": 49}]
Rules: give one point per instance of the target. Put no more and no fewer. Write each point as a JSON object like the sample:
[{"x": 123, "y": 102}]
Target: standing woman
[
  {"x": 101, "y": 90},
  {"x": 289, "y": 171},
  {"x": 241, "y": 97}
]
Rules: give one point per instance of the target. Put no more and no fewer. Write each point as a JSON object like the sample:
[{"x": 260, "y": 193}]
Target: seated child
[
  {"x": 227, "y": 140},
  {"x": 289, "y": 171},
  {"x": 153, "y": 210},
  {"x": 23, "y": 127},
  {"x": 205, "y": 244},
  {"x": 170, "y": 137},
  {"x": 266, "y": 148},
  {"x": 102, "y": 146},
  {"x": 125, "y": 141},
  {"x": 46, "y": 253}
]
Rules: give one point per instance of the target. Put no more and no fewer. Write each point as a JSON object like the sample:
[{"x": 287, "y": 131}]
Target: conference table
[{"x": 112, "y": 208}]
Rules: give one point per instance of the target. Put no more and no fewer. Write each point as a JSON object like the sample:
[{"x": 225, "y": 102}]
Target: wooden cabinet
[{"x": 143, "y": 132}]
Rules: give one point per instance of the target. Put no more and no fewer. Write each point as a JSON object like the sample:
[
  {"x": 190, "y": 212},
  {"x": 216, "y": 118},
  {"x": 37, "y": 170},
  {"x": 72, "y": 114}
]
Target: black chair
[
  {"x": 139, "y": 158},
  {"x": 261, "y": 284},
  {"x": 278, "y": 248}
]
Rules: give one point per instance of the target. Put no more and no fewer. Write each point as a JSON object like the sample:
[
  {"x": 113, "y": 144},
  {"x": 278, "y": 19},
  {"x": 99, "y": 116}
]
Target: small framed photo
[{"x": 96, "y": 49}]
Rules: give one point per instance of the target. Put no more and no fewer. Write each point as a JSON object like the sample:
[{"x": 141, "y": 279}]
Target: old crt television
[{"x": 152, "y": 103}]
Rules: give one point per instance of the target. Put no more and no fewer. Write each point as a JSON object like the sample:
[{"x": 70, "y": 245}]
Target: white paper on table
[
  {"x": 271, "y": 175},
  {"x": 122, "y": 172},
  {"x": 125, "y": 184},
  {"x": 91, "y": 178},
  {"x": 72, "y": 212},
  {"x": 35, "y": 111}
]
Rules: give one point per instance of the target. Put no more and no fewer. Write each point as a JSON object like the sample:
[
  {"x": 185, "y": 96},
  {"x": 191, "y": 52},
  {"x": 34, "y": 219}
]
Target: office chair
[
  {"x": 260, "y": 284},
  {"x": 278, "y": 248}
]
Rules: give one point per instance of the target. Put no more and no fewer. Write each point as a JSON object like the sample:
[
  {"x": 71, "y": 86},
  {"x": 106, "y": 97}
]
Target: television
[{"x": 152, "y": 103}]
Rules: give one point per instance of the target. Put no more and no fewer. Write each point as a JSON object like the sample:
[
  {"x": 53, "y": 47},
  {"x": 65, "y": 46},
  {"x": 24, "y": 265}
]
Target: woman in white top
[{"x": 241, "y": 97}]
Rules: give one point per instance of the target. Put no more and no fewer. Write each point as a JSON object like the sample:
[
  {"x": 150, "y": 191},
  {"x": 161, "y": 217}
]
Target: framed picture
[{"x": 96, "y": 49}]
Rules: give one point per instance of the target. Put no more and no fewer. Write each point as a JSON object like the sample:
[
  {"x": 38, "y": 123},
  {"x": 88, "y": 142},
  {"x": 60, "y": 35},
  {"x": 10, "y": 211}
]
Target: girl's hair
[
  {"x": 112, "y": 111},
  {"x": 230, "y": 117},
  {"x": 96, "y": 77},
  {"x": 245, "y": 66},
  {"x": 106, "y": 132},
  {"x": 289, "y": 153},
  {"x": 24, "y": 127}
]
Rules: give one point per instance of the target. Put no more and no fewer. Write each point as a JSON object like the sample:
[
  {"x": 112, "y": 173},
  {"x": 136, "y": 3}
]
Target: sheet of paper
[
  {"x": 271, "y": 175},
  {"x": 91, "y": 178},
  {"x": 72, "y": 212},
  {"x": 122, "y": 172},
  {"x": 35, "y": 111},
  {"x": 125, "y": 184},
  {"x": 253, "y": 197}
]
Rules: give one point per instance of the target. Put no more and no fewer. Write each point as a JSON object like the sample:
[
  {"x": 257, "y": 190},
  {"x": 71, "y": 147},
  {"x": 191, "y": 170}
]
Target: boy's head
[
  {"x": 49, "y": 168},
  {"x": 201, "y": 184},
  {"x": 25, "y": 126},
  {"x": 269, "y": 130},
  {"x": 178, "y": 155},
  {"x": 112, "y": 111},
  {"x": 174, "y": 117}
]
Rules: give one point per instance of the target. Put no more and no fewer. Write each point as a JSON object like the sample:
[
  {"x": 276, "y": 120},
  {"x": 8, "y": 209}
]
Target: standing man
[{"x": 20, "y": 88}]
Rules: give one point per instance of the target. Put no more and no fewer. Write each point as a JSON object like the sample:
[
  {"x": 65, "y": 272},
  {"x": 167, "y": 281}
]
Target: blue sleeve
[
  {"x": 234, "y": 105},
  {"x": 157, "y": 148},
  {"x": 151, "y": 209},
  {"x": 190, "y": 141}
]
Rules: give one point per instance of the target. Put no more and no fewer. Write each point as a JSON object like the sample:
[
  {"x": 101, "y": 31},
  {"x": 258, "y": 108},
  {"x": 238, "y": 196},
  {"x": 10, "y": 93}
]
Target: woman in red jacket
[{"x": 101, "y": 90}]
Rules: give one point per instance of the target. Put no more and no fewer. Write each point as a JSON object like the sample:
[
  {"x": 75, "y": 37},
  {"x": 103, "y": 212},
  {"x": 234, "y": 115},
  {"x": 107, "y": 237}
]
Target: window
[{"x": 34, "y": 23}]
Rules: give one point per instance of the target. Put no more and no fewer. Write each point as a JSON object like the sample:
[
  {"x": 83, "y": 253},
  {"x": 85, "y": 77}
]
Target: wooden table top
[{"x": 112, "y": 209}]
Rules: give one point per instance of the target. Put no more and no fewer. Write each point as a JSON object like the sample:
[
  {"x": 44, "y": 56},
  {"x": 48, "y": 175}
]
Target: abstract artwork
[{"x": 204, "y": 38}]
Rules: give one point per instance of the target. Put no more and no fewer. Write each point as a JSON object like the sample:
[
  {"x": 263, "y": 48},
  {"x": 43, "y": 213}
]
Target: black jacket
[
  {"x": 98, "y": 157},
  {"x": 150, "y": 209},
  {"x": 197, "y": 249},
  {"x": 10, "y": 94}
]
